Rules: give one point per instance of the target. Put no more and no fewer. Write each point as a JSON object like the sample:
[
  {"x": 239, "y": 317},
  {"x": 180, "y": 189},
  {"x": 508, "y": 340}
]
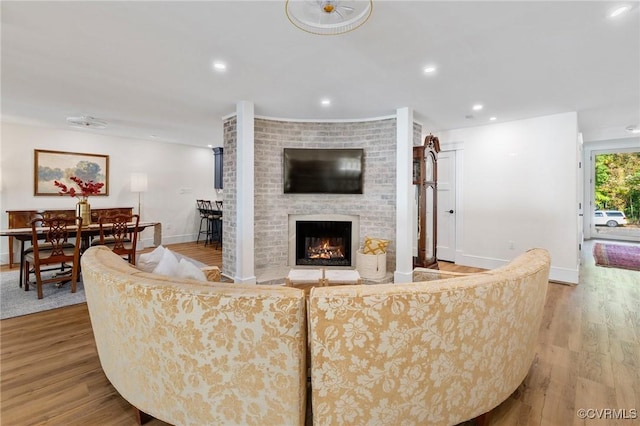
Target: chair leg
[
  {"x": 39, "y": 283},
  {"x": 200, "y": 230},
  {"x": 142, "y": 417},
  {"x": 208, "y": 239},
  {"x": 483, "y": 419},
  {"x": 25, "y": 275},
  {"x": 74, "y": 279},
  {"x": 217, "y": 232}
]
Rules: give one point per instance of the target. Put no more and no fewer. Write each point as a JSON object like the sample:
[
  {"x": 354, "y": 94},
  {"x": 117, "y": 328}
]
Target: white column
[
  {"x": 245, "y": 272},
  {"x": 404, "y": 199}
]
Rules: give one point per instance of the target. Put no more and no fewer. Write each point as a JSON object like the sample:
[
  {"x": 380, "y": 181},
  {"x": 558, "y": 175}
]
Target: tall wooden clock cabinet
[{"x": 425, "y": 182}]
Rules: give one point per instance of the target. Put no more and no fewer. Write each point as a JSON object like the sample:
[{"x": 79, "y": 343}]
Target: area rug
[
  {"x": 14, "y": 301},
  {"x": 617, "y": 256}
]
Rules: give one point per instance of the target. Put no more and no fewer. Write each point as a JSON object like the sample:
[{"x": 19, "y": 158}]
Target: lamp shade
[{"x": 138, "y": 182}]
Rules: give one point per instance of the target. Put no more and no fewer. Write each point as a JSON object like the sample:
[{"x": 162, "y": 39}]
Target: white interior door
[
  {"x": 580, "y": 195},
  {"x": 446, "y": 244}
]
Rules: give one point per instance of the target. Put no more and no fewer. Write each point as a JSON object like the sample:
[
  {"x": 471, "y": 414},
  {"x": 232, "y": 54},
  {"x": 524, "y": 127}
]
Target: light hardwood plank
[{"x": 588, "y": 356}]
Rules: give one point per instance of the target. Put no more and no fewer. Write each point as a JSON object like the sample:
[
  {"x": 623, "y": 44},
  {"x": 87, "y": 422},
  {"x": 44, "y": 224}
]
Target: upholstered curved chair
[
  {"x": 427, "y": 353},
  {"x": 194, "y": 353}
]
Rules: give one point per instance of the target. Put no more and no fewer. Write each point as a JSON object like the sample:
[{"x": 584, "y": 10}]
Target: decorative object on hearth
[
  {"x": 371, "y": 260},
  {"x": 328, "y": 17},
  {"x": 374, "y": 245},
  {"x": 83, "y": 208}
]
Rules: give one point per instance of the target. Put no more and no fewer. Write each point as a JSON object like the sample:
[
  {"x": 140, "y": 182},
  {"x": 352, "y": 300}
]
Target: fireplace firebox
[{"x": 323, "y": 243}]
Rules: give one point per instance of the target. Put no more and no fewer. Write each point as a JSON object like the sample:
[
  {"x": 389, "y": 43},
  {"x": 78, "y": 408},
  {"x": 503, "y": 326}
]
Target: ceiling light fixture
[
  {"x": 493, "y": 118},
  {"x": 328, "y": 17},
  {"x": 477, "y": 107},
  {"x": 619, "y": 11},
  {"x": 633, "y": 129},
  {"x": 429, "y": 69},
  {"x": 325, "y": 102},
  {"x": 219, "y": 66},
  {"x": 86, "y": 121}
]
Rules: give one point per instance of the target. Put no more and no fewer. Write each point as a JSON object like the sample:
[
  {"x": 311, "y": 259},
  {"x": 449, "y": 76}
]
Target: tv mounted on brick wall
[{"x": 323, "y": 171}]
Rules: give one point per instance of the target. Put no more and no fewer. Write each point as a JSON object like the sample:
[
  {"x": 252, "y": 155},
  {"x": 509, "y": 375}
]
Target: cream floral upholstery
[
  {"x": 431, "y": 353},
  {"x": 193, "y": 353}
]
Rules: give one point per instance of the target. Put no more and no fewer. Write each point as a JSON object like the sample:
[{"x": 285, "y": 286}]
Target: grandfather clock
[{"x": 425, "y": 182}]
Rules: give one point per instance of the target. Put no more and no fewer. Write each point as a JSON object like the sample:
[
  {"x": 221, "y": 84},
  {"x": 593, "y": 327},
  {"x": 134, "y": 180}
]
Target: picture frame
[{"x": 50, "y": 166}]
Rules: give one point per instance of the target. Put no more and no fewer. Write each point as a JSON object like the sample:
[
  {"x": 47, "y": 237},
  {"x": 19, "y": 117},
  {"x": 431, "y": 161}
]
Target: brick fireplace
[{"x": 374, "y": 208}]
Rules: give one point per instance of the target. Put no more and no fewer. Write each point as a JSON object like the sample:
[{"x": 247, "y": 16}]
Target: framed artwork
[{"x": 50, "y": 166}]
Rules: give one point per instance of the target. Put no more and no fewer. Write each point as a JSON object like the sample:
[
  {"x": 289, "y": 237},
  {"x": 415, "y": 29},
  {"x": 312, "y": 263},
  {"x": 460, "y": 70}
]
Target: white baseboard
[
  {"x": 402, "y": 277},
  {"x": 246, "y": 280},
  {"x": 565, "y": 275},
  {"x": 171, "y": 239}
]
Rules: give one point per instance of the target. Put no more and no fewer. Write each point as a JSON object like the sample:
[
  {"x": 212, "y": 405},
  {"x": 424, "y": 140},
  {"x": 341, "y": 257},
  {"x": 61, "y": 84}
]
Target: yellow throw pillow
[{"x": 374, "y": 245}]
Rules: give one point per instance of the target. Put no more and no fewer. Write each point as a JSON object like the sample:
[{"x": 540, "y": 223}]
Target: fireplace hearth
[{"x": 323, "y": 243}]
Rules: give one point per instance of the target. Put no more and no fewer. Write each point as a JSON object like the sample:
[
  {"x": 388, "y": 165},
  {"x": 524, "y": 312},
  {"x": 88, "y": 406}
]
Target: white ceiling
[{"x": 145, "y": 67}]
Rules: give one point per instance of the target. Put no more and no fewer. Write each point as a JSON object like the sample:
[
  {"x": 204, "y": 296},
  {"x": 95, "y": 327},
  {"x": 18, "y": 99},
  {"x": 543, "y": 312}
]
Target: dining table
[{"x": 92, "y": 230}]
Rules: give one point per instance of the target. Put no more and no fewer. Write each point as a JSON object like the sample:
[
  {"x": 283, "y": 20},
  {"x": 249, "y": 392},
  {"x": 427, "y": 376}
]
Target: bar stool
[{"x": 204, "y": 210}]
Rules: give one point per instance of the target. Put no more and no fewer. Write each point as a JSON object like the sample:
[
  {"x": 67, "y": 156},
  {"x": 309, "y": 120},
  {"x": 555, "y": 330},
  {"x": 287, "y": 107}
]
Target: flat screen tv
[{"x": 323, "y": 171}]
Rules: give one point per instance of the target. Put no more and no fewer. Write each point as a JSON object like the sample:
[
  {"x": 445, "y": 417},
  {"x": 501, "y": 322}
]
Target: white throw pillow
[
  {"x": 168, "y": 264},
  {"x": 187, "y": 269},
  {"x": 147, "y": 262}
]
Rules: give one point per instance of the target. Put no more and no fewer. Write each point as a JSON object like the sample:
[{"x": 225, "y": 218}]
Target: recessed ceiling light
[
  {"x": 219, "y": 66},
  {"x": 619, "y": 11},
  {"x": 429, "y": 70},
  {"x": 477, "y": 107},
  {"x": 633, "y": 129},
  {"x": 210, "y": 146},
  {"x": 325, "y": 102},
  {"x": 493, "y": 118}
]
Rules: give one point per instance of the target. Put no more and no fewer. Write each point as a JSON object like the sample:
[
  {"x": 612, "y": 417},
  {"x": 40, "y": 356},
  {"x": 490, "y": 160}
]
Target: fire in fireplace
[
  {"x": 327, "y": 248},
  {"x": 323, "y": 243}
]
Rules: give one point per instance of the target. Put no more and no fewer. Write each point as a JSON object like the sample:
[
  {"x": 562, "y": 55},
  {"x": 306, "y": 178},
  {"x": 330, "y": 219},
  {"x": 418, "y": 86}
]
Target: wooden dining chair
[
  {"x": 51, "y": 245},
  {"x": 120, "y": 233}
]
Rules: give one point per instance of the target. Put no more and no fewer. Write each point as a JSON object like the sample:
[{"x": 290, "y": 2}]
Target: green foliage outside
[{"x": 618, "y": 184}]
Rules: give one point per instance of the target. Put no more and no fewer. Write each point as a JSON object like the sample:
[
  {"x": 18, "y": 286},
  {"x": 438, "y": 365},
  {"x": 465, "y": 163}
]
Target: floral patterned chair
[
  {"x": 194, "y": 353},
  {"x": 436, "y": 352}
]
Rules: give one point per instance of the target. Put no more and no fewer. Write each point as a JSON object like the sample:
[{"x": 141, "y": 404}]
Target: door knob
[{"x": 450, "y": 211}]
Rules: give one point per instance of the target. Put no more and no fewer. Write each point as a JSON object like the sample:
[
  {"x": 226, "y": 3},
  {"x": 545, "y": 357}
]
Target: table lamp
[{"x": 139, "y": 185}]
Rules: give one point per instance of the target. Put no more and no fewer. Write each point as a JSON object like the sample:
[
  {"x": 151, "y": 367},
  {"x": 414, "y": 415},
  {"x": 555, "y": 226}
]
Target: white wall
[
  {"x": 177, "y": 176},
  {"x": 519, "y": 191}
]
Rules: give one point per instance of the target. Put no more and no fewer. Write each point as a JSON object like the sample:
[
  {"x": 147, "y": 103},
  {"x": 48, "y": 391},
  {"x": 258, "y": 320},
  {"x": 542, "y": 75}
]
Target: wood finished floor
[{"x": 588, "y": 357}]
